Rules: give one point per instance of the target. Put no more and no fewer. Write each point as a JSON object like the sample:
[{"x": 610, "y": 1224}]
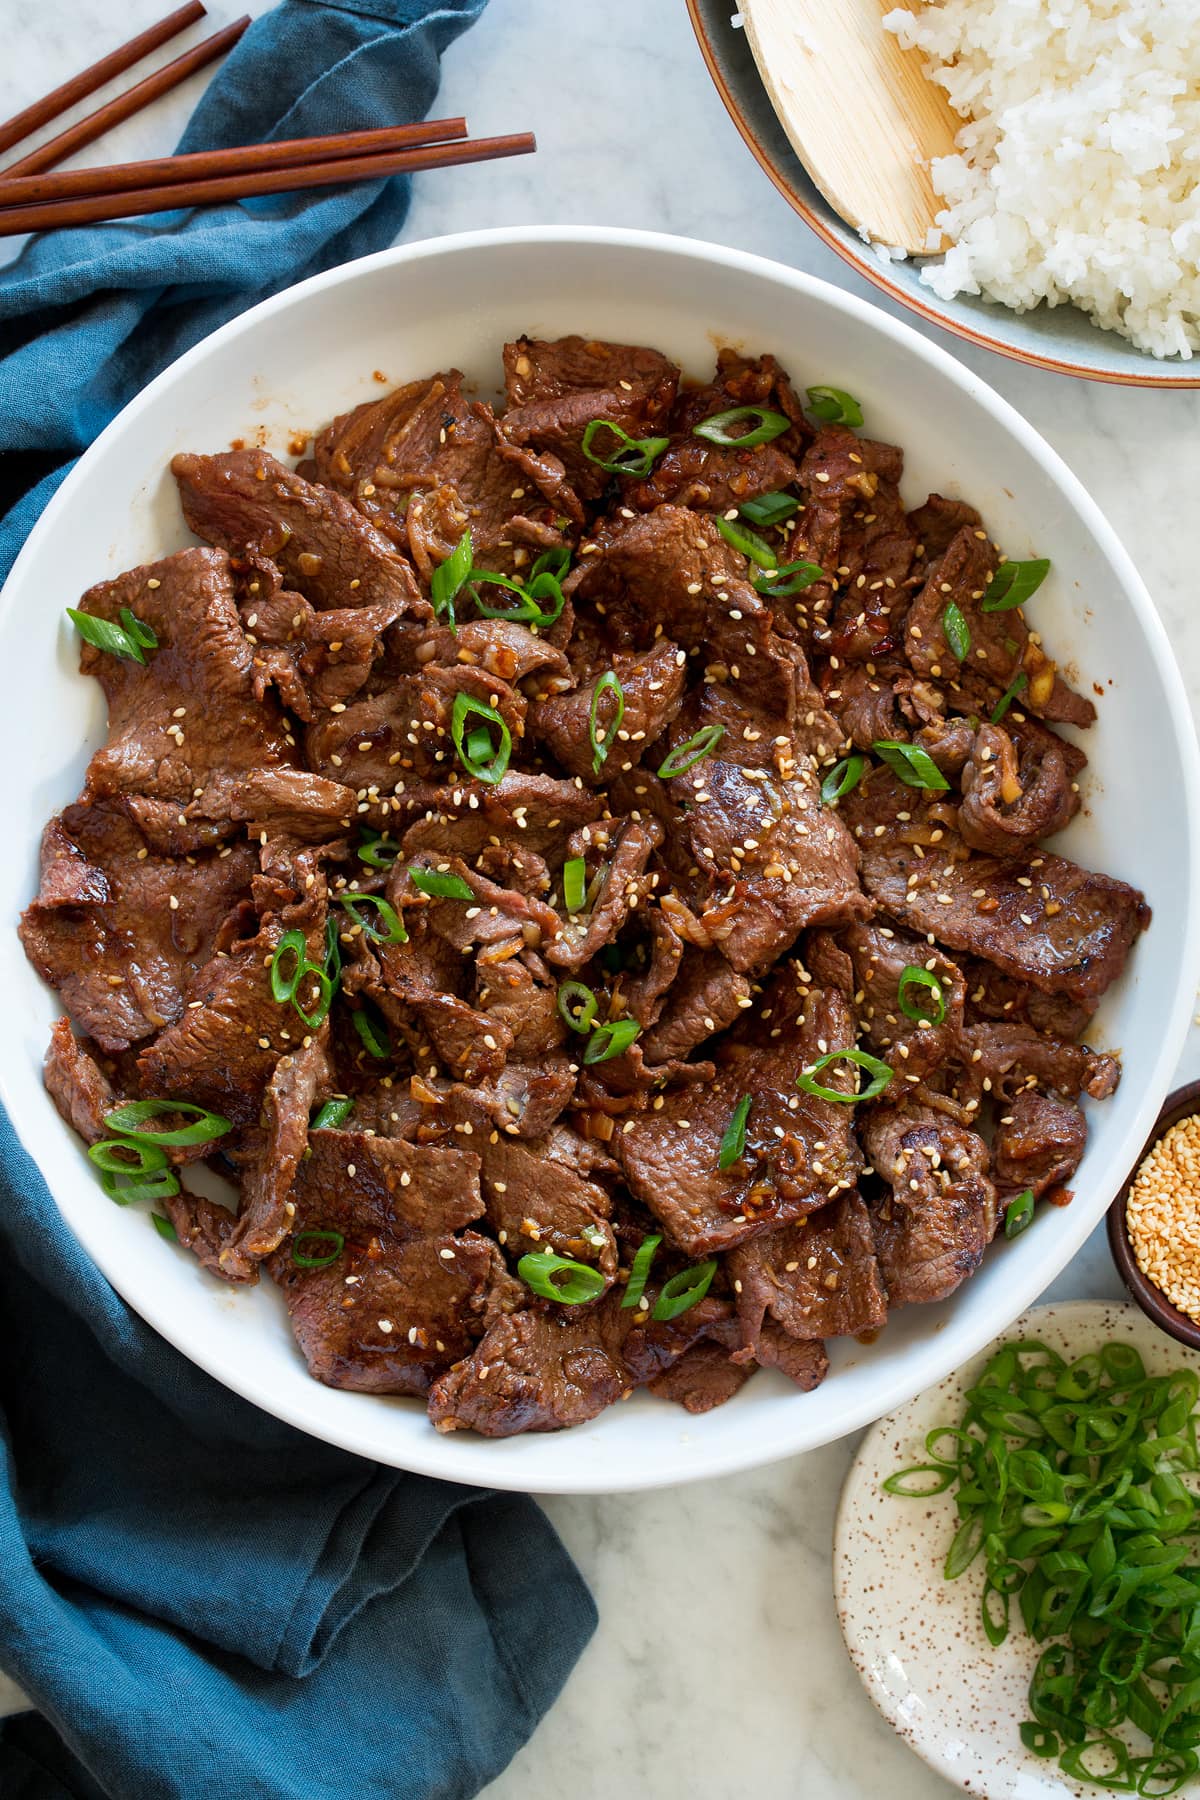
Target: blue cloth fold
[{"x": 202, "y": 1603}]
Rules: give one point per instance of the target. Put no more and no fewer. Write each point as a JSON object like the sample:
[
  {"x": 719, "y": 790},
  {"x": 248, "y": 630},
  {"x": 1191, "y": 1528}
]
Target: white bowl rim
[{"x": 893, "y": 1389}]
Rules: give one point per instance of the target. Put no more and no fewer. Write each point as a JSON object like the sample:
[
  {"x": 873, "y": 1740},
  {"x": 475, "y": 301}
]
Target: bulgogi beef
[{"x": 577, "y": 870}]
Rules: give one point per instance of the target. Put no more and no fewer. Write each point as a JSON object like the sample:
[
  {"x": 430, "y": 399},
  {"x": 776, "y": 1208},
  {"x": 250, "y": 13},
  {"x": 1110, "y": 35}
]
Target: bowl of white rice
[{"x": 1072, "y": 206}]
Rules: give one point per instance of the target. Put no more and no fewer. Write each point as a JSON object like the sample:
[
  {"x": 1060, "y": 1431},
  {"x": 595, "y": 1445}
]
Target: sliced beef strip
[
  {"x": 523, "y": 998},
  {"x": 535, "y": 1202},
  {"x": 652, "y": 683},
  {"x": 523, "y": 1101},
  {"x": 1009, "y": 1058},
  {"x": 666, "y": 568},
  {"x": 744, "y": 381},
  {"x": 776, "y": 860},
  {"x": 495, "y": 915},
  {"x": 1010, "y": 803},
  {"x": 246, "y": 502},
  {"x": 799, "y": 1150},
  {"x": 993, "y": 995},
  {"x": 850, "y": 489},
  {"x": 879, "y": 956},
  {"x": 533, "y": 1371},
  {"x": 1000, "y": 642},
  {"x": 290, "y": 802},
  {"x": 119, "y": 932},
  {"x": 534, "y": 811},
  {"x": 703, "y": 1378},
  {"x": 818, "y": 1278},
  {"x": 866, "y": 701},
  {"x": 707, "y": 995},
  {"x": 314, "y": 659},
  {"x": 189, "y": 712},
  {"x": 1048, "y": 922},
  {"x": 1038, "y": 1144},
  {"x": 651, "y": 964},
  {"x": 267, "y": 1208},
  {"x": 203, "y": 1226},
  {"x": 502, "y": 647},
  {"x": 77, "y": 1084},
  {"x": 398, "y": 1190},
  {"x": 936, "y": 521},
  {"x": 933, "y": 1230},
  {"x": 384, "y": 738},
  {"x": 622, "y": 886},
  {"x": 389, "y": 1319},
  {"x": 803, "y": 1361}
]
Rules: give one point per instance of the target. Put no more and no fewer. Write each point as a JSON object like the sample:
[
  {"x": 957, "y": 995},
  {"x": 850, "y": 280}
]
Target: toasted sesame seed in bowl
[{"x": 1154, "y": 1222}]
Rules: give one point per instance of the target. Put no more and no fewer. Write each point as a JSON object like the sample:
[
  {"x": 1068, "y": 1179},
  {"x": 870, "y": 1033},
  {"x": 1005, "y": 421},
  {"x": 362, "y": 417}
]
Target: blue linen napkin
[{"x": 202, "y": 1603}]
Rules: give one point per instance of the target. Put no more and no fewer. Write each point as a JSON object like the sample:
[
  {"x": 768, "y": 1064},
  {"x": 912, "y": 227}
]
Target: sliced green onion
[
  {"x": 574, "y": 880},
  {"x": 1018, "y": 1215},
  {"x": 1019, "y": 682},
  {"x": 102, "y": 634},
  {"x": 558, "y": 1278},
  {"x": 748, "y": 542},
  {"x": 842, "y": 779},
  {"x": 685, "y": 756},
  {"x": 790, "y": 578},
  {"x": 631, "y": 456},
  {"x": 577, "y": 1005},
  {"x": 387, "y": 928},
  {"x": 333, "y": 951},
  {"x": 377, "y": 849},
  {"x": 441, "y": 884},
  {"x": 554, "y": 562},
  {"x": 955, "y": 630},
  {"x": 911, "y": 1005},
  {"x": 448, "y": 578},
  {"x": 878, "y": 1071},
  {"x": 1013, "y": 584},
  {"x": 611, "y": 1040},
  {"x": 480, "y": 756},
  {"x": 834, "y": 406},
  {"x": 921, "y": 1480},
  {"x": 291, "y": 954},
  {"x": 602, "y": 744},
  {"x": 323, "y": 999},
  {"x": 527, "y": 608},
  {"x": 769, "y": 509},
  {"x": 144, "y": 636},
  {"x": 683, "y": 1291},
  {"x": 719, "y": 428},
  {"x": 915, "y": 767},
  {"x": 124, "y": 1156},
  {"x": 130, "y": 1120},
  {"x": 374, "y": 1034},
  {"x": 164, "y": 1228},
  {"x": 733, "y": 1143},
  {"x": 639, "y": 1270},
  {"x": 332, "y": 1115},
  {"x": 303, "y": 1260},
  {"x": 128, "y": 1190}
]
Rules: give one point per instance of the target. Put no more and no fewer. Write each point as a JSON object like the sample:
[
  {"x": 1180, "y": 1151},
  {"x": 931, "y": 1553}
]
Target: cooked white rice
[{"x": 1078, "y": 177}]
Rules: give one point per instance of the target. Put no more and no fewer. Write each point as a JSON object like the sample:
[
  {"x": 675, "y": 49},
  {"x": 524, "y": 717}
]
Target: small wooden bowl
[{"x": 1151, "y": 1299}]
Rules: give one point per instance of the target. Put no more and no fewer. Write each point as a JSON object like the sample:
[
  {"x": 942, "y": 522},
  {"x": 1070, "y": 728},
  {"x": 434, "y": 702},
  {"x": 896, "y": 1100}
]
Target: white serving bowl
[{"x": 288, "y": 366}]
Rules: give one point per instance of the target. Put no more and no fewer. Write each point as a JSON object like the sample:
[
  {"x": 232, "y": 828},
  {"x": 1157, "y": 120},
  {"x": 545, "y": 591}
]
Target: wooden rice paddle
[{"x": 859, "y": 111}]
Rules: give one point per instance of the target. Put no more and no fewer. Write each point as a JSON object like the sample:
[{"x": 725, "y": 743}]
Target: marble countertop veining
[{"x": 718, "y": 1667}]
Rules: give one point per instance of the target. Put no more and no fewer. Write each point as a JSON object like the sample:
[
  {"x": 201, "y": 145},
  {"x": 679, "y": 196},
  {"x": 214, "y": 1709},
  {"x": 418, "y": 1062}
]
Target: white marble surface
[{"x": 718, "y": 1668}]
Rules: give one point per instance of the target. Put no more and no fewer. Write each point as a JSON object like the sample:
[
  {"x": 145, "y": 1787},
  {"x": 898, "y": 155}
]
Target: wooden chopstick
[
  {"x": 88, "y": 80},
  {"x": 132, "y": 101},
  {"x": 90, "y": 209},
  {"x": 202, "y": 165}
]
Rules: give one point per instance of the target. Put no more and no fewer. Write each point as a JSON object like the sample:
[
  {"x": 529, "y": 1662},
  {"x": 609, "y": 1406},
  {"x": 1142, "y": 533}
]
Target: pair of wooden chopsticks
[{"x": 31, "y": 200}]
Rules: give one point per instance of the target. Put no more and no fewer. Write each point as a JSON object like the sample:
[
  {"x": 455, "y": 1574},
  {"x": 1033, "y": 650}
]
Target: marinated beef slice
[{"x": 932, "y": 1231}]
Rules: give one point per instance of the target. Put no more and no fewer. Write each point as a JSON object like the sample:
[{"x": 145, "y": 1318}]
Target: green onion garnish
[
  {"x": 130, "y": 1120},
  {"x": 842, "y": 778},
  {"x": 333, "y": 951},
  {"x": 558, "y": 1278},
  {"x": 123, "y": 1156},
  {"x": 1018, "y": 1215},
  {"x": 127, "y": 1190},
  {"x": 602, "y": 743},
  {"x": 955, "y": 630},
  {"x": 287, "y": 965},
  {"x": 441, "y": 884},
  {"x": 733, "y": 1144},
  {"x": 911, "y": 1005},
  {"x": 631, "y": 456},
  {"x": 164, "y": 1228},
  {"x": 790, "y": 578},
  {"x": 526, "y": 607},
  {"x": 303, "y": 1260},
  {"x": 374, "y": 1034},
  {"x": 102, "y": 634},
  {"x": 322, "y": 999},
  {"x": 479, "y": 754},
  {"x": 683, "y": 1291},
  {"x": 834, "y": 406},
  {"x": 915, "y": 767},
  {"x": 718, "y": 428},
  {"x": 377, "y": 849},
  {"x": 769, "y": 509},
  {"x": 332, "y": 1115},
  {"x": 878, "y": 1071},
  {"x": 387, "y": 928},
  {"x": 1013, "y": 584},
  {"x": 574, "y": 880},
  {"x": 685, "y": 756},
  {"x": 1019, "y": 682},
  {"x": 639, "y": 1270},
  {"x": 552, "y": 562},
  {"x": 144, "y": 636},
  {"x": 448, "y": 578},
  {"x": 577, "y": 1005},
  {"x": 748, "y": 542},
  {"x": 611, "y": 1040}
]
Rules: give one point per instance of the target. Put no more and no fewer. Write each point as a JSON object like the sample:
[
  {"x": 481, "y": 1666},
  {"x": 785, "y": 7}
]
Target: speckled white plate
[{"x": 915, "y": 1638}]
